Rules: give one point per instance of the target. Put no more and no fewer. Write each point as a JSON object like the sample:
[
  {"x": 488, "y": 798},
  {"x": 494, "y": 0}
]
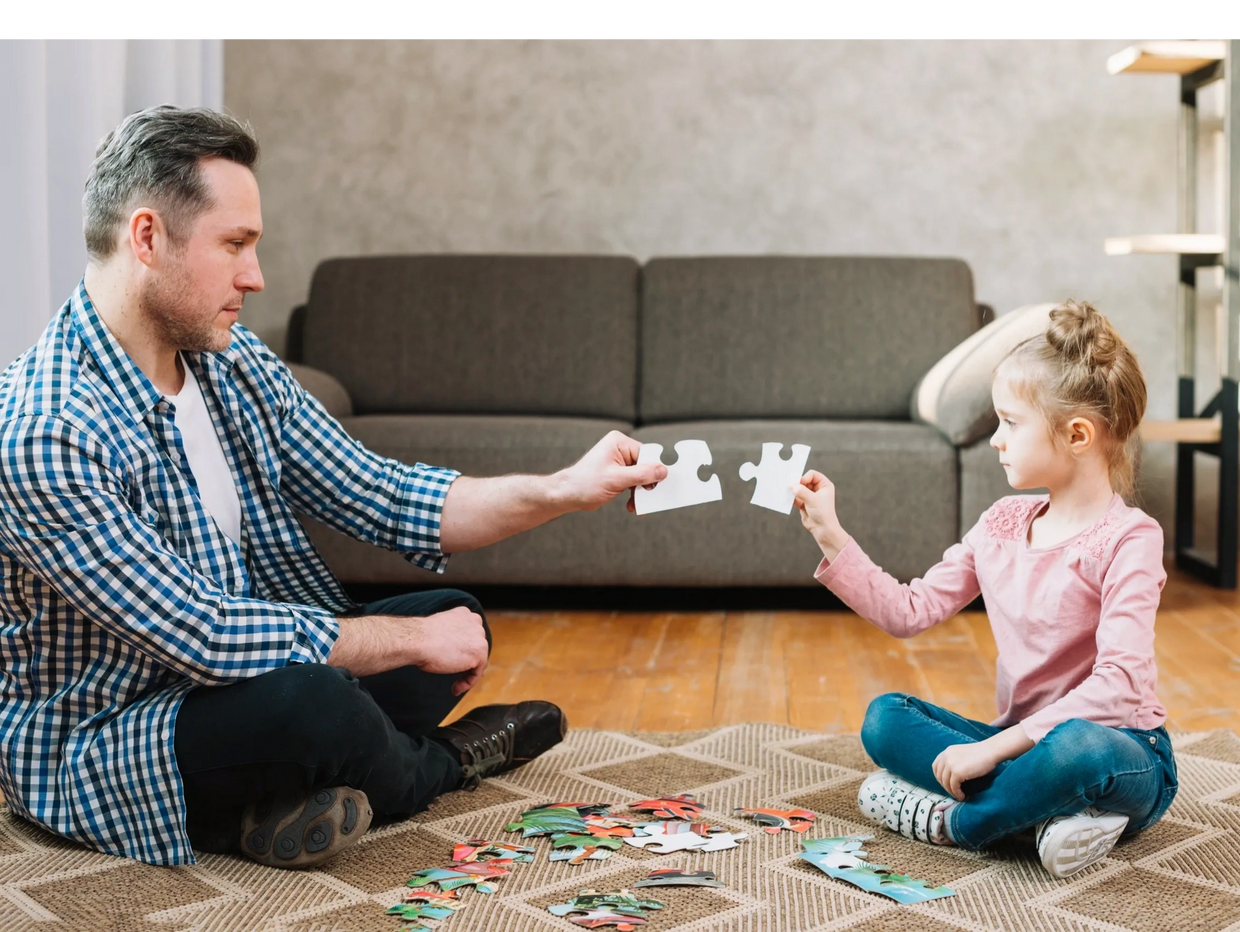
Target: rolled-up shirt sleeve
[{"x": 66, "y": 512}]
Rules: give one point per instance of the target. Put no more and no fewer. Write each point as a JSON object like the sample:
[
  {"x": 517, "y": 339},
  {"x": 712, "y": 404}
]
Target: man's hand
[
  {"x": 448, "y": 642},
  {"x": 815, "y": 498},
  {"x": 607, "y": 470},
  {"x": 962, "y": 762}
]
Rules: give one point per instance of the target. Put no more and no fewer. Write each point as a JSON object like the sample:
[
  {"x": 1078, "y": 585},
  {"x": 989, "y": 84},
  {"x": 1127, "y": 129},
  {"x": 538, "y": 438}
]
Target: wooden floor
[{"x": 685, "y": 671}]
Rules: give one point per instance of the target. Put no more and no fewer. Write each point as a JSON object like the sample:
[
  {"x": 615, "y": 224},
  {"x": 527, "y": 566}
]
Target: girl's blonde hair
[{"x": 1082, "y": 367}]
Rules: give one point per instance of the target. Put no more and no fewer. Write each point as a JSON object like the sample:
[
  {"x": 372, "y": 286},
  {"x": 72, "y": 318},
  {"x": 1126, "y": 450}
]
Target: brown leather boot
[
  {"x": 301, "y": 832},
  {"x": 494, "y": 738}
]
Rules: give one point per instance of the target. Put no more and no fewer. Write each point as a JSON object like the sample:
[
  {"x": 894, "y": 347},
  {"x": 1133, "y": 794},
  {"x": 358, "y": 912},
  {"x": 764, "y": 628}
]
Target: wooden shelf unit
[
  {"x": 1176, "y": 57},
  {"x": 1215, "y": 429}
]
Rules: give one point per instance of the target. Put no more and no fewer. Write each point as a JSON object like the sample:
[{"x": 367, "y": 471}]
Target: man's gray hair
[{"x": 152, "y": 160}]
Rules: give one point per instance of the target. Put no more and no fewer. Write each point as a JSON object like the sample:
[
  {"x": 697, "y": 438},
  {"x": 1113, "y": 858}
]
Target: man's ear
[
  {"x": 1082, "y": 434},
  {"x": 147, "y": 236}
]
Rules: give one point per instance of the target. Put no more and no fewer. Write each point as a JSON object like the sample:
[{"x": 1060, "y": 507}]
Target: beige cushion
[
  {"x": 326, "y": 388},
  {"x": 954, "y": 396}
]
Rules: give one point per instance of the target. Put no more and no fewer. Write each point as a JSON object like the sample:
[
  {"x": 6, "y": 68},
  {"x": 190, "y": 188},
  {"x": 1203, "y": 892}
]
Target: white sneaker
[
  {"x": 915, "y": 813},
  {"x": 1069, "y": 844}
]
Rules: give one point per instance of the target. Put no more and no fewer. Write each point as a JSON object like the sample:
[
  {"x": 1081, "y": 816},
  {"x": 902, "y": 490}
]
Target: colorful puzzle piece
[
  {"x": 683, "y": 806},
  {"x": 842, "y": 858},
  {"x": 673, "y": 877},
  {"x": 583, "y": 809},
  {"x": 795, "y": 820},
  {"x": 609, "y": 827},
  {"x": 597, "y": 918},
  {"x": 448, "y": 898},
  {"x": 419, "y": 911},
  {"x": 682, "y": 487},
  {"x": 476, "y": 849},
  {"x": 777, "y": 477},
  {"x": 460, "y": 875},
  {"x": 551, "y": 820},
  {"x": 583, "y": 848}
]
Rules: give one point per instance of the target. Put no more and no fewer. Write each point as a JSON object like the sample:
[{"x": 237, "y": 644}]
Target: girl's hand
[
  {"x": 962, "y": 762},
  {"x": 815, "y": 498}
]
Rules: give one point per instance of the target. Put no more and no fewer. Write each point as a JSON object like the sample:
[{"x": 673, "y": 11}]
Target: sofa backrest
[
  {"x": 773, "y": 336},
  {"x": 461, "y": 334}
]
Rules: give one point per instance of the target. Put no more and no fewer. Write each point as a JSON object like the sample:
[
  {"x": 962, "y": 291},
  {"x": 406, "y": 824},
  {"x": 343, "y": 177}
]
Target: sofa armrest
[{"x": 326, "y": 388}]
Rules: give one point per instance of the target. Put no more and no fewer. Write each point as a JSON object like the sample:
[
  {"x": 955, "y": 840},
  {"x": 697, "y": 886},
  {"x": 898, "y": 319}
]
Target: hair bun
[{"x": 1080, "y": 333}]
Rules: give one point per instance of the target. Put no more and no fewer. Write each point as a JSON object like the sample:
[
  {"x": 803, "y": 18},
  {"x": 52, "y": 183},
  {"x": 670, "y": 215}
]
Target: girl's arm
[{"x": 873, "y": 594}]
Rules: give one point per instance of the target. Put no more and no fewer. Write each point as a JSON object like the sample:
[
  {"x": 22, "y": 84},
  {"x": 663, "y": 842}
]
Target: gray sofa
[{"x": 499, "y": 364}]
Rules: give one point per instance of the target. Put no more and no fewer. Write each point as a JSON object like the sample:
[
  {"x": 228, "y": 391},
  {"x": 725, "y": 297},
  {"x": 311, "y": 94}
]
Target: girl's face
[{"x": 1026, "y": 451}]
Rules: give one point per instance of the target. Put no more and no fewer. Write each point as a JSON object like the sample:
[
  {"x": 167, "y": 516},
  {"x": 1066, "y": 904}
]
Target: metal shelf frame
[{"x": 1220, "y": 572}]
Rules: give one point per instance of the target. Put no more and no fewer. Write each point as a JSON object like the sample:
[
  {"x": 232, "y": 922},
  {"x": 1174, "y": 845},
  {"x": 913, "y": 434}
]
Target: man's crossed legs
[{"x": 278, "y": 753}]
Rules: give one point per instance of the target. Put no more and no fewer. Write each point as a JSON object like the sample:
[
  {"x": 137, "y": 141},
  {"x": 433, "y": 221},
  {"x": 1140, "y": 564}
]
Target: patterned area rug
[{"x": 1184, "y": 874}]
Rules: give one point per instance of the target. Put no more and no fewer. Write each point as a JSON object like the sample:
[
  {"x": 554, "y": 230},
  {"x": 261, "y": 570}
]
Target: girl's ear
[{"x": 1081, "y": 434}]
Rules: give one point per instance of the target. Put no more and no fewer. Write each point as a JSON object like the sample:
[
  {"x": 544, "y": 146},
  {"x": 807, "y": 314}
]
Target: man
[{"x": 178, "y": 667}]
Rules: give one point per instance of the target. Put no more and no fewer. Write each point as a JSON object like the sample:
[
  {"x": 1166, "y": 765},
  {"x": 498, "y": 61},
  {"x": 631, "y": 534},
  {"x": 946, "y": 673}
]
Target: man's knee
[
  {"x": 882, "y": 723},
  {"x": 315, "y": 705}
]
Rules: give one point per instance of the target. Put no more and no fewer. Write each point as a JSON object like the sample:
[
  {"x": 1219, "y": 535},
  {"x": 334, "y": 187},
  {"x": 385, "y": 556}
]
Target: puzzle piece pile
[
  {"x": 775, "y": 489},
  {"x": 583, "y": 832},
  {"x": 434, "y": 892}
]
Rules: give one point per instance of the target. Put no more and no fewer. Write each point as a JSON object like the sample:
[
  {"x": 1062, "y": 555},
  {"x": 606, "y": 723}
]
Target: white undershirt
[{"x": 206, "y": 457}]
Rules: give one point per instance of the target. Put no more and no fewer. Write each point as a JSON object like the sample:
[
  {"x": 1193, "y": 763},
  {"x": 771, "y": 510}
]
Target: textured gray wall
[{"x": 1019, "y": 157}]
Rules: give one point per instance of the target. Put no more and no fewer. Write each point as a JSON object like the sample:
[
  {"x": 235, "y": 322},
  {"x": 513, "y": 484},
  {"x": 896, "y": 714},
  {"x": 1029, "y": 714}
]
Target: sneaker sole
[
  {"x": 1081, "y": 849},
  {"x": 305, "y": 833}
]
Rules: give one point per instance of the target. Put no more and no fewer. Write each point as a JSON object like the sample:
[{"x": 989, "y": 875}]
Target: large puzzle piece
[
  {"x": 682, "y": 487},
  {"x": 597, "y": 918},
  {"x": 674, "y": 877},
  {"x": 683, "y": 806},
  {"x": 776, "y": 476},
  {"x": 667, "y": 837},
  {"x": 552, "y": 820},
  {"x": 842, "y": 858},
  {"x": 795, "y": 820},
  {"x": 477, "y": 849},
  {"x": 582, "y": 848},
  {"x": 459, "y": 875}
]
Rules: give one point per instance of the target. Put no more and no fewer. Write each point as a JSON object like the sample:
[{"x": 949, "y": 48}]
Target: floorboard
[{"x": 686, "y": 670}]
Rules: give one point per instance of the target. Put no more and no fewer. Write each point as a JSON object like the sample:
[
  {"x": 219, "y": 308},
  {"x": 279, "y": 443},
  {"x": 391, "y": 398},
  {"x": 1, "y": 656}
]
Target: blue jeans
[{"x": 1077, "y": 764}]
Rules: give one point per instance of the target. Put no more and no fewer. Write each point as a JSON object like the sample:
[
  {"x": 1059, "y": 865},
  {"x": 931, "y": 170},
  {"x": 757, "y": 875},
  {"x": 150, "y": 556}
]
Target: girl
[{"x": 1071, "y": 582}]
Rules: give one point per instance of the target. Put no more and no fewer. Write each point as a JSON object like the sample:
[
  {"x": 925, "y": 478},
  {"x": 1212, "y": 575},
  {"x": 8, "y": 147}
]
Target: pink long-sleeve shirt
[{"x": 1074, "y": 622}]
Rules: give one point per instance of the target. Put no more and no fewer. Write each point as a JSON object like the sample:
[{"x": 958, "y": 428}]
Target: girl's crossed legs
[{"x": 1078, "y": 764}]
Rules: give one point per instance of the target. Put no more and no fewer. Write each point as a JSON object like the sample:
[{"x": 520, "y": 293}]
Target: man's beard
[{"x": 167, "y": 304}]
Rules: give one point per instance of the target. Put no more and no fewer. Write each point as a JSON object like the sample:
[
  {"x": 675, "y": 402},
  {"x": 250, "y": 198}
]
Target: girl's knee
[{"x": 882, "y": 722}]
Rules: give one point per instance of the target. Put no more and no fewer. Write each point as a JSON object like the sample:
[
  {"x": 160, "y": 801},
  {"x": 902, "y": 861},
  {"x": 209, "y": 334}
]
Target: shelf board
[
  {"x": 1168, "y": 57},
  {"x": 1185, "y": 430},
  {"x": 1181, "y": 244}
]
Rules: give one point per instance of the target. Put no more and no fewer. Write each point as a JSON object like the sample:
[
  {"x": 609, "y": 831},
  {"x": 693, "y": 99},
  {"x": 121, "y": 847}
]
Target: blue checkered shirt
[{"x": 118, "y": 592}]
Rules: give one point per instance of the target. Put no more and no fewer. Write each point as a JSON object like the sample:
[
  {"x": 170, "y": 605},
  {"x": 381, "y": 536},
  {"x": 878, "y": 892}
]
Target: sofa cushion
[
  {"x": 326, "y": 388},
  {"x": 837, "y": 337},
  {"x": 478, "y": 334},
  {"x": 954, "y": 395}
]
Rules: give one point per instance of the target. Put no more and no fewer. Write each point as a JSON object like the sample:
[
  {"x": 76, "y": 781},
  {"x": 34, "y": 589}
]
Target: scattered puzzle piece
[
  {"x": 552, "y": 820},
  {"x": 673, "y": 877},
  {"x": 448, "y": 898},
  {"x": 795, "y": 820},
  {"x": 597, "y": 918},
  {"x": 460, "y": 875},
  {"x": 583, "y": 848},
  {"x": 419, "y": 911},
  {"x": 476, "y": 849},
  {"x": 620, "y": 899},
  {"x": 776, "y": 476},
  {"x": 584, "y": 810},
  {"x": 682, "y": 487},
  {"x": 842, "y": 858},
  {"x": 667, "y": 837},
  {"x": 683, "y": 806},
  {"x": 609, "y": 828}
]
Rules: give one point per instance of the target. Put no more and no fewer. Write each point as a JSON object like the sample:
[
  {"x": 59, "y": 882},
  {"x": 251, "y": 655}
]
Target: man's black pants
[{"x": 308, "y": 726}]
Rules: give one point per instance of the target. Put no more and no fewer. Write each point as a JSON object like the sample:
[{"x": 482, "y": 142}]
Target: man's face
[{"x": 194, "y": 295}]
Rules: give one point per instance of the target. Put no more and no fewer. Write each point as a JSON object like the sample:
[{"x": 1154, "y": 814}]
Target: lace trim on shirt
[
  {"x": 1007, "y": 518},
  {"x": 1097, "y": 540}
]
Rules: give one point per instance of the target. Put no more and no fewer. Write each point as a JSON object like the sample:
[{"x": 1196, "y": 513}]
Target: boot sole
[{"x": 302, "y": 833}]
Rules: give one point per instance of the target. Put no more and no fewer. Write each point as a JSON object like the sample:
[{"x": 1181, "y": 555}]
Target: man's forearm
[
  {"x": 480, "y": 512},
  {"x": 373, "y": 644}
]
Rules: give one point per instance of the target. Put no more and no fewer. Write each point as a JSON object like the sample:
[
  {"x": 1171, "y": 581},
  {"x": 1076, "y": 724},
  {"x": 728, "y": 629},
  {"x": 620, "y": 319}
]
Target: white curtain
[{"x": 58, "y": 99}]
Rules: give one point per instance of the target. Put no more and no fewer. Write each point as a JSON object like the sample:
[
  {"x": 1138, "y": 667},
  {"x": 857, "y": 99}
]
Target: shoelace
[{"x": 487, "y": 756}]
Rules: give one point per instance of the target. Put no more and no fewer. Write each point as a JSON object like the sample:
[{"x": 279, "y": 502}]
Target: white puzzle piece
[
  {"x": 682, "y": 487},
  {"x": 667, "y": 837},
  {"x": 776, "y": 476}
]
